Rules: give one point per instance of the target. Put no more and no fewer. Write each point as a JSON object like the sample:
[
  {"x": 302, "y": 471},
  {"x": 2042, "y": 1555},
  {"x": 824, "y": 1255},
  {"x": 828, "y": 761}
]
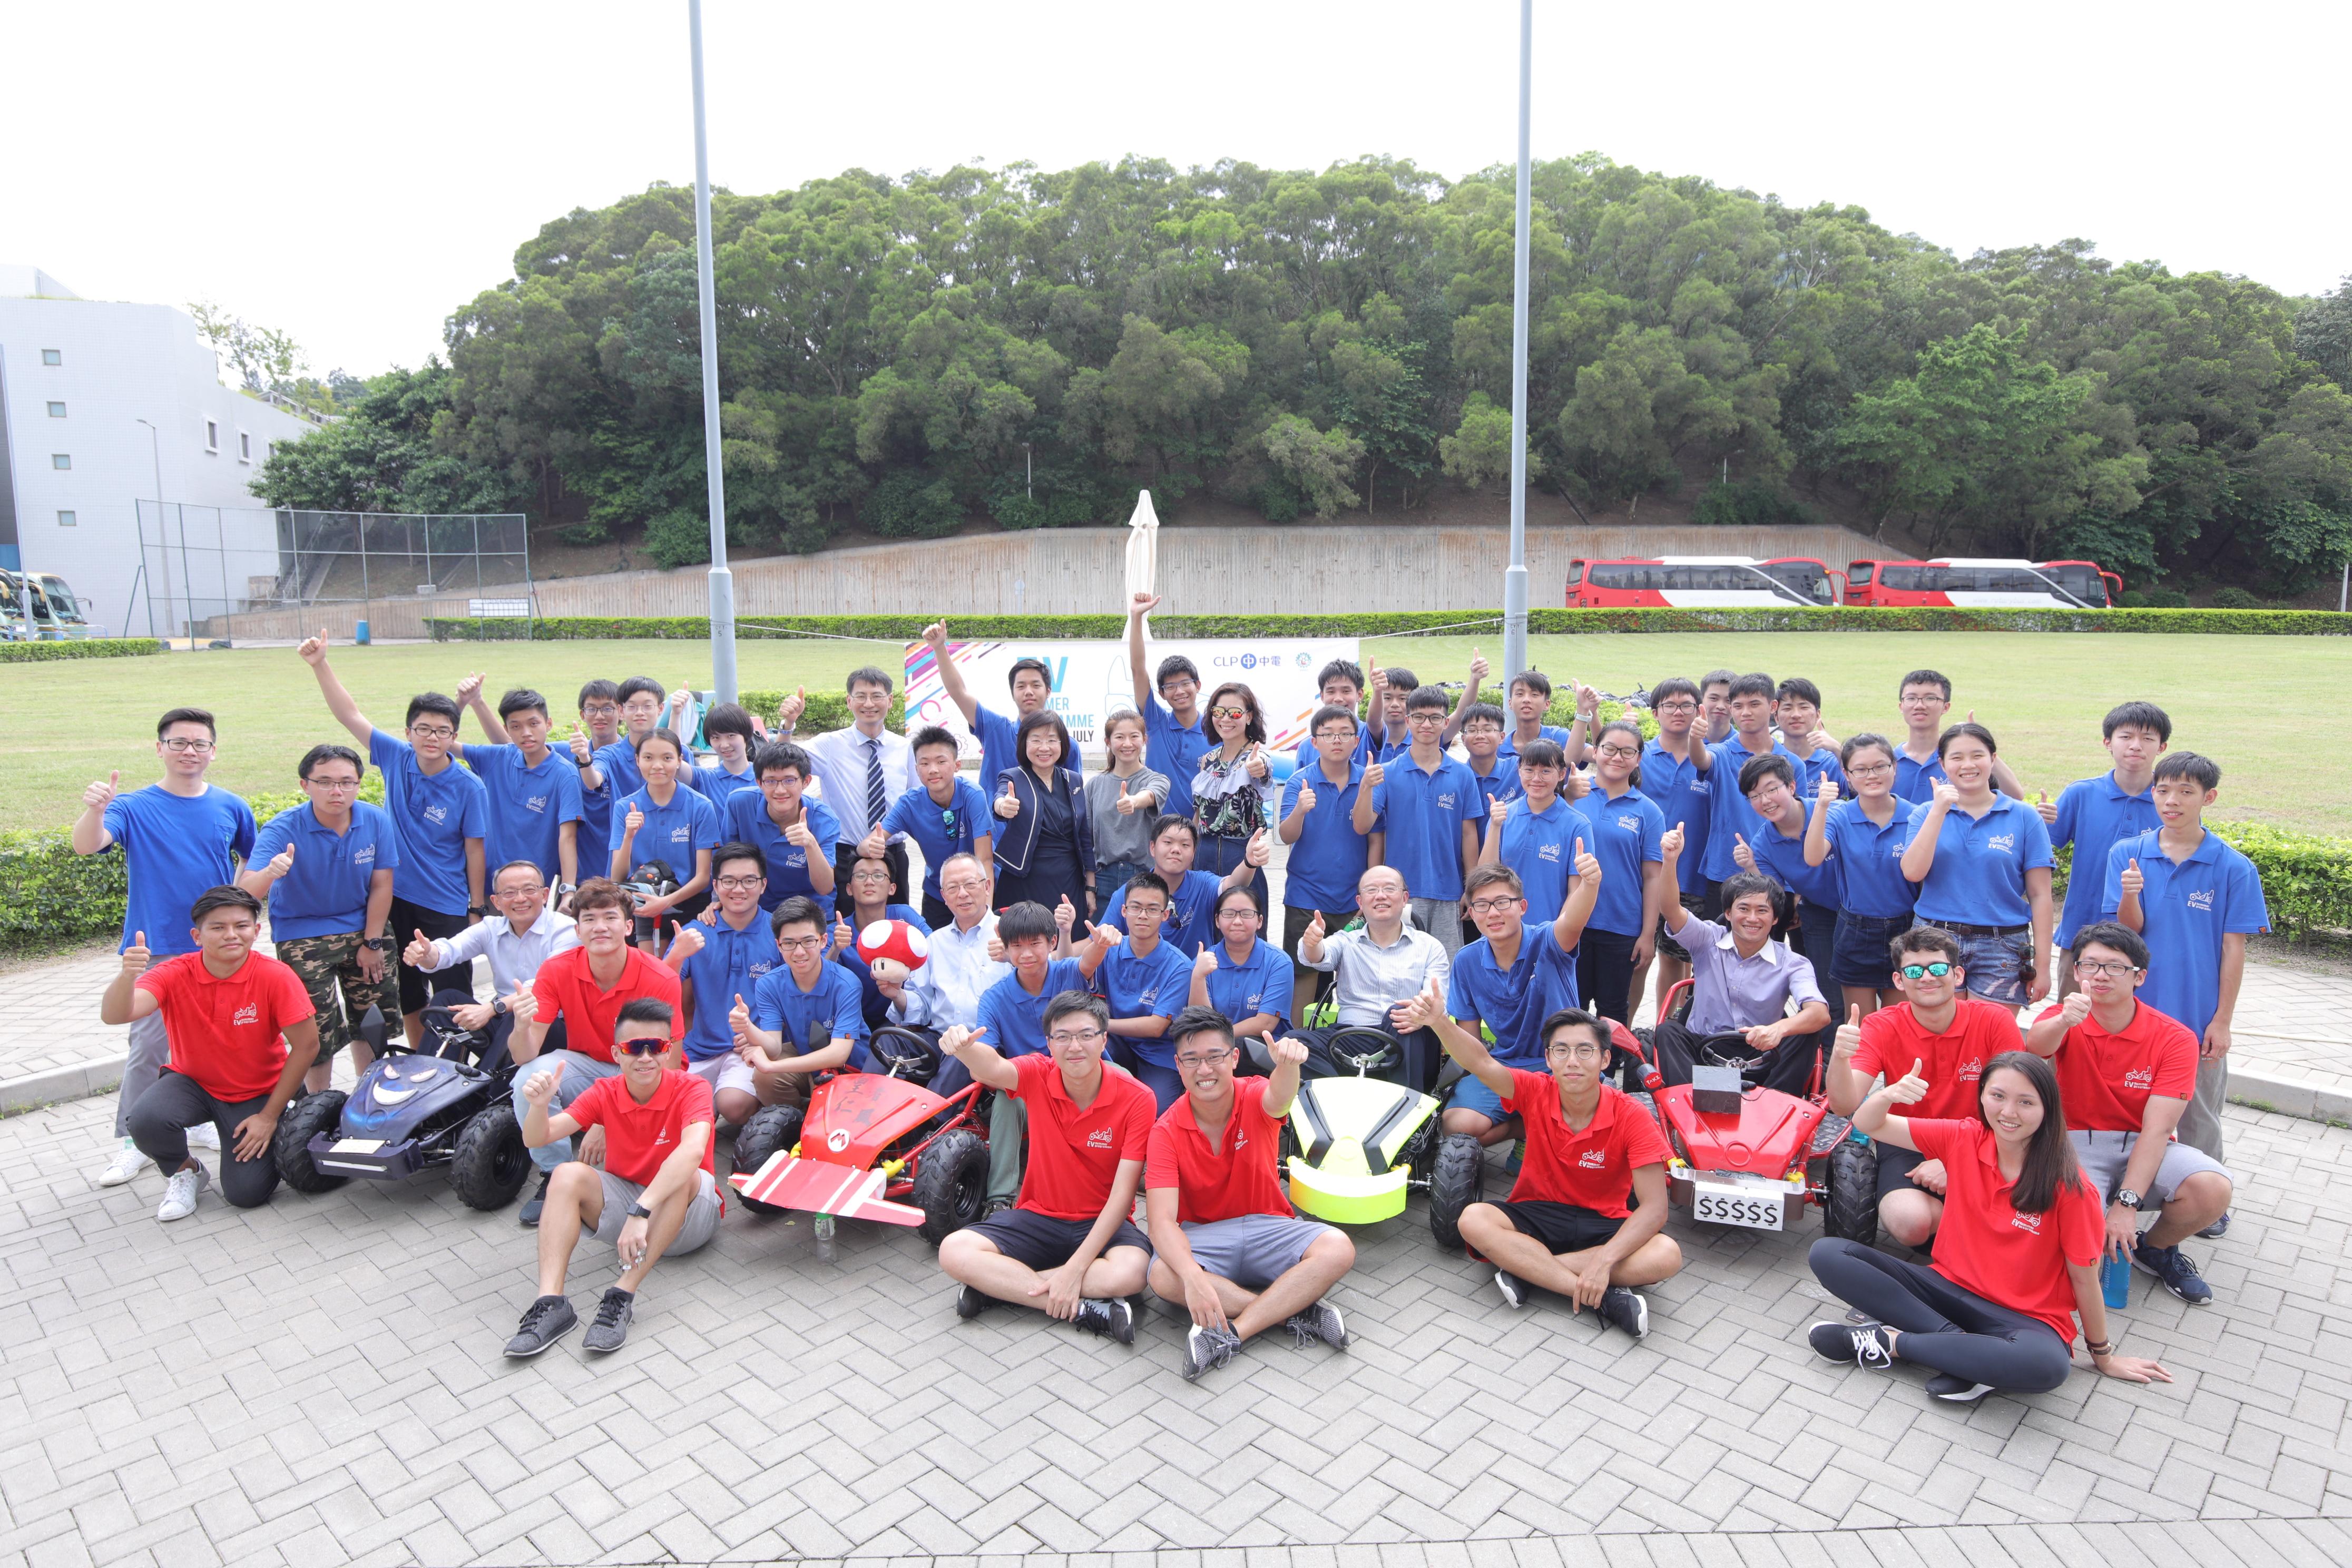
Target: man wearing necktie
[{"x": 860, "y": 771}]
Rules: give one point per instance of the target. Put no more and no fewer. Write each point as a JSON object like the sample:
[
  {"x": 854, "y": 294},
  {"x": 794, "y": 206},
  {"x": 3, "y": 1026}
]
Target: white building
[{"x": 77, "y": 466}]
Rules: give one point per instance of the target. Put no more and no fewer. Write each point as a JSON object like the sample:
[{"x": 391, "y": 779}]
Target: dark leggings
[
  {"x": 1604, "y": 972},
  {"x": 1943, "y": 1327},
  {"x": 173, "y": 1104}
]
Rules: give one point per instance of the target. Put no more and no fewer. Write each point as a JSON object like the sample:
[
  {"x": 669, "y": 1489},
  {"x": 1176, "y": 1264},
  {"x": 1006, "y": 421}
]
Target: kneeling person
[
  {"x": 1068, "y": 1246},
  {"x": 657, "y": 1195}
]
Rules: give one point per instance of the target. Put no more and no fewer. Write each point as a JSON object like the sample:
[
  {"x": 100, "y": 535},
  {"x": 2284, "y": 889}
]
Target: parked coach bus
[
  {"x": 1700, "y": 582},
  {"x": 1983, "y": 585}
]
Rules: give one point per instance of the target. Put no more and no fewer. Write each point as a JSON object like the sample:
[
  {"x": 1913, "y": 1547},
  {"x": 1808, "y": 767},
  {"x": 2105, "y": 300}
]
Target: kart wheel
[
  {"x": 1850, "y": 1213},
  {"x": 1457, "y": 1180},
  {"x": 308, "y": 1117},
  {"x": 951, "y": 1185},
  {"x": 772, "y": 1131},
  {"x": 491, "y": 1163}
]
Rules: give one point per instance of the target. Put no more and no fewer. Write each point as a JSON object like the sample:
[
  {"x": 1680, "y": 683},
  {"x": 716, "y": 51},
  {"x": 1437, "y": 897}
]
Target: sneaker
[
  {"x": 1206, "y": 1349},
  {"x": 1953, "y": 1390},
  {"x": 180, "y": 1193},
  {"x": 2218, "y": 1229},
  {"x": 971, "y": 1303},
  {"x": 1514, "y": 1289},
  {"x": 1113, "y": 1318},
  {"x": 205, "y": 1135},
  {"x": 2174, "y": 1272},
  {"x": 1864, "y": 1345},
  {"x": 612, "y": 1325},
  {"x": 544, "y": 1321},
  {"x": 1625, "y": 1308},
  {"x": 536, "y": 1204},
  {"x": 128, "y": 1162},
  {"x": 995, "y": 1206},
  {"x": 1318, "y": 1324}
]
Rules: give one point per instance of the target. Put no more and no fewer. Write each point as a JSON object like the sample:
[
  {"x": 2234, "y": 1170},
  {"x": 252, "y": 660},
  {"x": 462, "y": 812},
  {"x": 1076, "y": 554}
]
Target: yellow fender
[{"x": 1353, "y": 1131}]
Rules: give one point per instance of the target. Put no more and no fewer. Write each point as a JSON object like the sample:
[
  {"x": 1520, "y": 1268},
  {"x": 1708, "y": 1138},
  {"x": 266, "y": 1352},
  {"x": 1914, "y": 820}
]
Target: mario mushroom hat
[{"x": 893, "y": 949}]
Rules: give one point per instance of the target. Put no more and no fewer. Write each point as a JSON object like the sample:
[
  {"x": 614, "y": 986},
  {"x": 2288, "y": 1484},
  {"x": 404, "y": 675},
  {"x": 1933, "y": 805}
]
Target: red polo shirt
[
  {"x": 638, "y": 1138},
  {"x": 1953, "y": 1062},
  {"x": 228, "y": 1034},
  {"x": 565, "y": 988},
  {"x": 1233, "y": 1177},
  {"x": 1074, "y": 1154},
  {"x": 2017, "y": 1260},
  {"x": 1591, "y": 1167},
  {"x": 2105, "y": 1080}
]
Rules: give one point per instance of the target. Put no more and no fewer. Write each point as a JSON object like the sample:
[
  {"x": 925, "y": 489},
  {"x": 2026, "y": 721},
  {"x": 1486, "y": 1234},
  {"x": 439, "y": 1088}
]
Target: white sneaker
[
  {"x": 205, "y": 1135},
  {"x": 128, "y": 1162},
  {"x": 180, "y": 1193}
]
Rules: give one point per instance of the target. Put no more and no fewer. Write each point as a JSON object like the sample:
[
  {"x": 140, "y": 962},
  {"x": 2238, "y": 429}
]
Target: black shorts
[
  {"x": 1562, "y": 1227},
  {"x": 1042, "y": 1242},
  {"x": 1895, "y": 1166}
]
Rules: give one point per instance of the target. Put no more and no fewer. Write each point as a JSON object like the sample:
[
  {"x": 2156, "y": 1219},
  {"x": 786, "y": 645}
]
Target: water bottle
[
  {"x": 2115, "y": 1281},
  {"x": 824, "y": 1247}
]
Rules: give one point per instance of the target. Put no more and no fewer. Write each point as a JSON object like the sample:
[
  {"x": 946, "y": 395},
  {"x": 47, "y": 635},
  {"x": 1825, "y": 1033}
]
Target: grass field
[{"x": 2041, "y": 695}]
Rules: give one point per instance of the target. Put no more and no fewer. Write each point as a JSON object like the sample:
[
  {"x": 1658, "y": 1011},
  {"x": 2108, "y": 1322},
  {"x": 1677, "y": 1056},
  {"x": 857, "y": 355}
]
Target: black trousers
[
  {"x": 502, "y": 1027},
  {"x": 160, "y": 1123},
  {"x": 1604, "y": 972},
  {"x": 417, "y": 986},
  {"x": 1789, "y": 1065},
  {"x": 1414, "y": 1067},
  {"x": 1943, "y": 1326}
]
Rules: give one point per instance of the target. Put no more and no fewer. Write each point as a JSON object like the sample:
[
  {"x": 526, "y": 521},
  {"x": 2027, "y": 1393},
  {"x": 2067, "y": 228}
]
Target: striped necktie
[{"x": 876, "y": 804}]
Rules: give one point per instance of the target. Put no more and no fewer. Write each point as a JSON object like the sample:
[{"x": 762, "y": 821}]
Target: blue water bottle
[{"x": 2115, "y": 1281}]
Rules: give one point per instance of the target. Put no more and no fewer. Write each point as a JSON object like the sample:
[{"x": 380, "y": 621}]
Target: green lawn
[{"x": 2041, "y": 695}]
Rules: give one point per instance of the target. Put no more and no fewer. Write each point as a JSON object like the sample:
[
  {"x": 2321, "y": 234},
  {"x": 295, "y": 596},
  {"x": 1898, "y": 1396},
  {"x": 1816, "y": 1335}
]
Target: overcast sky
[{"x": 353, "y": 174}]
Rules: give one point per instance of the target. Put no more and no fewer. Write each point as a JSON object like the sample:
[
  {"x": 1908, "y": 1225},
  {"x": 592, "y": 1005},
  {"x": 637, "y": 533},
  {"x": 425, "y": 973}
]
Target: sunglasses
[
  {"x": 1221, "y": 712},
  {"x": 644, "y": 1045},
  {"x": 1913, "y": 970}
]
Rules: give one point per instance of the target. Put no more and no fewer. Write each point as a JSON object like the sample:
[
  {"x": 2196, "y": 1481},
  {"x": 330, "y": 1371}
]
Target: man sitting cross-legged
[
  {"x": 1229, "y": 1249},
  {"x": 658, "y": 1193},
  {"x": 1066, "y": 1246}
]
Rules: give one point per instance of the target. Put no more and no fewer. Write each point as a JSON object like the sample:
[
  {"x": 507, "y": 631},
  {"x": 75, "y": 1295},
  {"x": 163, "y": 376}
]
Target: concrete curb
[{"x": 77, "y": 1082}]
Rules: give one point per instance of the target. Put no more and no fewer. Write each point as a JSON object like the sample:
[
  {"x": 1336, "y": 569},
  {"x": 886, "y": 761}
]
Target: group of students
[{"x": 669, "y": 900}]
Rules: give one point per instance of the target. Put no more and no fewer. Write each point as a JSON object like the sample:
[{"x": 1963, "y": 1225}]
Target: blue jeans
[
  {"x": 1996, "y": 965},
  {"x": 579, "y": 1071}
]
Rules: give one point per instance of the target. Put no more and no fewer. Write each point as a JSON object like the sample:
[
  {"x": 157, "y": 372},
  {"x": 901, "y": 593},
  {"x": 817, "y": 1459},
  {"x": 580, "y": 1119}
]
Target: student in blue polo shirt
[
  {"x": 1432, "y": 813},
  {"x": 999, "y": 736},
  {"x": 1146, "y": 982},
  {"x": 2095, "y": 814},
  {"x": 1176, "y": 732},
  {"x": 803, "y": 1017},
  {"x": 1532, "y": 833},
  {"x": 1193, "y": 894},
  {"x": 717, "y": 960},
  {"x": 733, "y": 738},
  {"x": 1671, "y": 777},
  {"x": 1729, "y": 815},
  {"x": 532, "y": 790},
  {"x": 1529, "y": 699},
  {"x": 947, "y": 815},
  {"x": 1622, "y": 829},
  {"x": 1482, "y": 741},
  {"x": 1926, "y": 696},
  {"x": 1316, "y": 819},
  {"x": 1778, "y": 851},
  {"x": 1243, "y": 977},
  {"x": 616, "y": 763},
  {"x": 668, "y": 822},
  {"x": 439, "y": 813},
  {"x": 793, "y": 832},
  {"x": 1861, "y": 841},
  {"x": 1339, "y": 684},
  {"x": 326, "y": 869},
  {"x": 1797, "y": 710},
  {"x": 599, "y": 726},
  {"x": 2194, "y": 901},
  {"x": 1981, "y": 862},
  {"x": 1517, "y": 974}
]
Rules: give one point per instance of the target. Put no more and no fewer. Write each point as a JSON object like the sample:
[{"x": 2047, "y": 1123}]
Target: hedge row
[{"x": 88, "y": 648}]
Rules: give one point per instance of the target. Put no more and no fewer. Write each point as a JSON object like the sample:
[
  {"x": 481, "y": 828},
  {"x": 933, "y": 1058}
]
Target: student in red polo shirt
[
  {"x": 1229, "y": 1249},
  {"x": 242, "y": 1033},
  {"x": 586, "y": 986},
  {"x": 2017, "y": 1255},
  {"x": 1952, "y": 1034},
  {"x": 1569, "y": 1225},
  {"x": 1068, "y": 1240},
  {"x": 2128, "y": 1073},
  {"x": 658, "y": 1193}
]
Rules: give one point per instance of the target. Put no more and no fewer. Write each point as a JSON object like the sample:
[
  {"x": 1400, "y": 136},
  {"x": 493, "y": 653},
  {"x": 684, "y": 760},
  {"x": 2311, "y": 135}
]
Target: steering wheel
[
  {"x": 1361, "y": 1048},
  {"x": 905, "y": 1054}
]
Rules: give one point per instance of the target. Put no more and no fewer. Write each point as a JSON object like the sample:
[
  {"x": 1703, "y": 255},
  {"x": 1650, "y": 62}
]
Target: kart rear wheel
[
  {"x": 951, "y": 1185},
  {"x": 491, "y": 1163},
  {"x": 772, "y": 1131},
  {"x": 1457, "y": 1180},
  {"x": 305, "y": 1120},
  {"x": 1851, "y": 1211}
]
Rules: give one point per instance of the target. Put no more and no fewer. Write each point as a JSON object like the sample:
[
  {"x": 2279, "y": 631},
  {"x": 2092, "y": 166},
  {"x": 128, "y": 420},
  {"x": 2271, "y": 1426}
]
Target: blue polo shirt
[
  {"x": 1684, "y": 796},
  {"x": 715, "y": 783},
  {"x": 1421, "y": 811},
  {"x": 1503, "y": 783},
  {"x": 1868, "y": 860},
  {"x": 732, "y": 963},
  {"x": 1307, "y": 756},
  {"x": 175, "y": 848},
  {"x": 870, "y": 1000},
  {"x": 1555, "y": 733},
  {"x": 1978, "y": 877},
  {"x": 1191, "y": 921},
  {"x": 593, "y": 844},
  {"x": 747, "y": 821},
  {"x": 1812, "y": 770},
  {"x": 432, "y": 817},
  {"x": 999, "y": 749},
  {"x": 327, "y": 891},
  {"x": 2186, "y": 910},
  {"x": 2093, "y": 816},
  {"x": 1143, "y": 985},
  {"x": 814, "y": 1018},
  {"x": 528, "y": 807},
  {"x": 1623, "y": 834},
  {"x": 1330, "y": 855},
  {"x": 618, "y": 765},
  {"x": 1541, "y": 848},
  {"x": 1917, "y": 781},
  {"x": 1782, "y": 859},
  {"x": 1013, "y": 1020},
  {"x": 1727, "y": 809},
  {"x": 1174, "y": 751},
  {"x": 938, "y": 830},
  {"x": 672, "y": 832},
  {"x": 1514, "y": 1004},
  {"x": 1260, "y": 984}
]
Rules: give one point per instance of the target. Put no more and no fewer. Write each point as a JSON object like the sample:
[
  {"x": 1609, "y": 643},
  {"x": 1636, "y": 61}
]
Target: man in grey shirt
[
  {"x": 522, "y": 935},
  {"x": 1377, "y": 970}
]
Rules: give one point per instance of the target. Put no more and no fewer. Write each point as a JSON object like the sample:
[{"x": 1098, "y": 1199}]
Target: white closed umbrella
[{"x": 1142, "y": 549}]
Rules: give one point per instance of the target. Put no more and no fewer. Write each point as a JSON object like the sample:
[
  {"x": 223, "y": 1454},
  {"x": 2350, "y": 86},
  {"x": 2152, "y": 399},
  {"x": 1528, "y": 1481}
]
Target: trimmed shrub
[
  {"x": 88, "y": 648},
  {"x": 2236, "y": 598}
]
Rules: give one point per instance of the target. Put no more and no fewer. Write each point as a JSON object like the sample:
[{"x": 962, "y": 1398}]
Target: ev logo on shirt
[
  {"x": 2140, "y": 1079},
  {"x": 1445, "y": 800},
  {"x": 1971, "y": 1070},
  {"x": 661, "y": 1137},
  {"x": 2201, "y": 899},
  {"x": 1099, "y": 1139},
  {"x": 2002, "y": 844},
  {"x": 536, "y": 803},
  {"x": 437, "y": 814},
  {"x": 2029, "y": 1223},
  {"x": 364, "y": 856},
  {"x": 248, "y": 1013},
  {"x": 1630, "y": 823},
  {"x": 1549, "y": 853},
  {"x": 681, "y": 833},
  {"x": 1594, "y": 1159},
  {"x": 756, "y": 968}
]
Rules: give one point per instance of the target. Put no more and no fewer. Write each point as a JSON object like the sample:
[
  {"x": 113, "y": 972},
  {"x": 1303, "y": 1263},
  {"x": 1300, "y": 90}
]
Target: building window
[
  {"x": 244, "y": 446},
  {"x": 51, "y": 356},
  {"x": 61, "y": 460},
  {"x": 56, "y": 410},
  {"x": 212, "y": 436},
  {"x": 65, "y": 520}
]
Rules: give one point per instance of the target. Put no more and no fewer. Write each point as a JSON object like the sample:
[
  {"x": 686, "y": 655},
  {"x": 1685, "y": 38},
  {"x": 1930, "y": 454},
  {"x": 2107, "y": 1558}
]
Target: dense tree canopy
[{"x": 903, "y": 354}]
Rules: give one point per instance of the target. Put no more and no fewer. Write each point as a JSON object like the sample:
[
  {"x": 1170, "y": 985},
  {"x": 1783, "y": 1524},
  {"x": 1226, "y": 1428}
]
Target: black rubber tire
[
  {"x": 305, "y": 1120},
  {"x": 771, "y": 1130},
  {"x": 1456, "y": 1180},
  {"x": 951, "y": 1185},
  {"x": 1851, "y": 1212},
  {"x": 490, "y": 1163}
]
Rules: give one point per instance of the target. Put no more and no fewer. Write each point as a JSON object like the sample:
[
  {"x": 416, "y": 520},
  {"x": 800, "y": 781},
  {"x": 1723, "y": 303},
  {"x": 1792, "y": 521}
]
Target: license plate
[
  {"x": 1733, "y": 1206},
  {"x": 357, "y": 1145}
]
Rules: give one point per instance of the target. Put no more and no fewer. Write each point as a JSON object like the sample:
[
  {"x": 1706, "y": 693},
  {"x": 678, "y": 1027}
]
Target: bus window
[
  {"x": 1619, "y": 577},
  {"x": 1859, "y": 572},
  {"x": 1575, "y": 573},
  {"x": 2081, "y": 580},
  {"x": 1810, "y": 579},
  {"x": 1903, "y": 579}
]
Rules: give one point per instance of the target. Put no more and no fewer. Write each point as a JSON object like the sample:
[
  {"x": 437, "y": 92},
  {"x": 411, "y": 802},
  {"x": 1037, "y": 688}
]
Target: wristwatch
[
  {"x": 380, "y": 944},
  {"x": 476, "y": 910},
  {"x": 499, "y": 1006},
  {"x": 2128, "y": 1198},
  {"x": 639, "y": 1211}
]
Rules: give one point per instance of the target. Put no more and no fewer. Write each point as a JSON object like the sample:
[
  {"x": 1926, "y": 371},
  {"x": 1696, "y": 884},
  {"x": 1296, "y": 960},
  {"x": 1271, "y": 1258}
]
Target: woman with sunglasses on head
[
  {"x": 1235, "y": 789},
  {"x": 1864, "y": 837},
  {"x": 1044, "y": 844}
]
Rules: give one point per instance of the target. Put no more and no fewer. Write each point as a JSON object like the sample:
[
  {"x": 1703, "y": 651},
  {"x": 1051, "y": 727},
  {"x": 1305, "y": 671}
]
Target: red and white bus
[
  {"x": 1701, "y": 582},
  {"x": 1969, "y": 583}
]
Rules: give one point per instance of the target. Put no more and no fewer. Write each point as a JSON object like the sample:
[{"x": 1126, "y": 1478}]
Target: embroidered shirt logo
[
  {"x": 1593, "y": 1159},
  {"x": 1549, "y": 853},
  {"x": 1969, "y": 1070},
  {"x": 1099, "y": 1139},
  {"x": 2002, "y": 843},
  {"x": 536, "y": 803},
  {"x": 437, "y": 814},
  {"x": 1445, "y": 800},
  {"x": 2029, "y": 1223},
  {"x": 248, "y": 1013},
  {"x": 2201, "y": 899},
  {"x": 2140, "y": 1077}
]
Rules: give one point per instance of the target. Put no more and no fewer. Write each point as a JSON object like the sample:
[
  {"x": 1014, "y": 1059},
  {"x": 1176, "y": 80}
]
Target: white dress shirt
[
  {"x": 514, "y": 959},
  {"x": 947, "y": 989},
  {"x": 839, "y": 758}
]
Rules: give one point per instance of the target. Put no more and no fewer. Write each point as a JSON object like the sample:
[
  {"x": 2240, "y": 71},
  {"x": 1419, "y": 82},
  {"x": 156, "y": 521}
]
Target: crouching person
[
  {"x": 657, "y": 1195},
  {"x": 1068, "y": 1246}
]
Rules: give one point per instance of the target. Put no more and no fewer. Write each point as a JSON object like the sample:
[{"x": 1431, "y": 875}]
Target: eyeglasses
[
  {"x": 1618, "y": 750},
  {"x": 1491, "y": 906},
  {"x": 520, "y": 890},
  {"x": 1070, "y": 1038},
  {"x": 1424, "y": 718},
  {"x": 181, "y": 743},
  {"x": 1870, "y": 770},
  {"x": 432, "y": 732},
  {"x": 600, "y": 711},
  {"x": 1577, "y": 1051},
  {"x": 2101, "y": 967},
  {"x": 740, "y": 882},
  {"x": 644, "y": 1045},
  {"x": 801, "y": 943},
  {"x": 1148, "y": 911},
  {"x": 963, "y": 885},
  {"x": 1913, "y": 970},
  {"x": 1679, "y": 708},
  {"x": 1335, "y": 734},
  {"x": 334, "y": 786},
  {"x": 1224, "y": 712},
  {"x": 1194, "y": 1060}
]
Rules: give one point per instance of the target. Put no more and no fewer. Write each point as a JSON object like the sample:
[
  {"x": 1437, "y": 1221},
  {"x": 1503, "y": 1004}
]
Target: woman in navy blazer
[{"x": 1045, "y": 845}]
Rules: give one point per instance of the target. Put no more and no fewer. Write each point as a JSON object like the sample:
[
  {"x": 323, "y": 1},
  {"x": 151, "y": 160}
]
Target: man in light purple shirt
[{"x": 1744, "y": 986}]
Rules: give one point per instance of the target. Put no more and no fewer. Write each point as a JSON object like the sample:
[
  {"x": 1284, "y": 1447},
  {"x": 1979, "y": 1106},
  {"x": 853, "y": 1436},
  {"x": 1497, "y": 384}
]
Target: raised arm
[
  {"x": 1427, "y": 1011},
  {"x": 1365, "y": 815},
  {"x": 1282, "y": 1083},
  {"x": 339, "y": 701},
  {"x": 1137, "y": 666},
  {"x": 90, "y": 834},
  {"x": 980, "y": 1058},
  {"x": 470, "y": 694},
  {"x": 1670, "y": 852},
  {"x": 935, "y": 637},
  {"x": 1817, "y": 829},
  {"x": 1576, "y": 910},
  {"x": 1479, "y": 670}
]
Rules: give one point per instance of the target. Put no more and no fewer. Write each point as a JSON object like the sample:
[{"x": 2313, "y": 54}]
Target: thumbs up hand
[
  {"x": 420, "y": 951},
  {"x": 635, "y": 820},
  {"x": 578, "y": 743},
  {"x": 1066, "y": 916},
  {"x": 1127, "y": 803},
  {"x": 1204, "y": 963},
  {"x": 1670, "y": 843},
  {"x": 1588, "y": 867},
  {"x": 798, "y": 835},
  {"x": 1479, "y": 669},
  {"x": 1007, "y": 805},
  {"x": 1306, "y": 797},
  {"x": 1374, "y": 775},
  {"x": 1259, "y": 768},
  {"x": 1499, "y": 811},
  {"x": 2078, "y": 1008},
  {"x": 2131, "y": 879},
  {"x": 469, "y": 688},
  {"x": 99, "y": 796},
  {"x": 1849, "y": 1035},
  {"x": 739, "y": 1021},
  {"x": 1256, "y": 853},
  {"x": 136, "y": 958},
  {"x": 282, "y": 863},
  {"x": 789, "y": 711},
  {"x": 1742, "y": 856},
  {"x": 842, "y": 936},
  {"x": 2046, "y": 807},
  {"x": 1827, "y": 794},
  {"x": 1948, "y": 795},
  {"x": 687, "y": 943},
  {"x": 314, "y": 650},
  {"x": 1910, "y": 1088}
]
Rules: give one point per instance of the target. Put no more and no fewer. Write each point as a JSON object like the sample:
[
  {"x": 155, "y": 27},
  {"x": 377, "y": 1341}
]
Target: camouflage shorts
[{"x": 330, "y": 968}]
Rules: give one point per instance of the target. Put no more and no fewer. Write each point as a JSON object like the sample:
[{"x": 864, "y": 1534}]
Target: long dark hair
[
  {"x": 2050, "y": 1164},
  {"x": 1040, "y": 720}
]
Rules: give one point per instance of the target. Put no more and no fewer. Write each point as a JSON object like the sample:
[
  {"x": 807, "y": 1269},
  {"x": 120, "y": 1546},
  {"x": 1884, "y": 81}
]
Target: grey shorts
[
  {"x": 724, "y": 1072},
  {"x": 1253, "y": 1250},
  {"x": 2104, "y": 1155},
  {"x": 1441, "y": 918},
  {"x": 701, "y": 1215}
]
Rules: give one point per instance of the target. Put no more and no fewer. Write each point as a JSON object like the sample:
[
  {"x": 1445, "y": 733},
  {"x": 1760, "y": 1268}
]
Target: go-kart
[
  {"x": 410, "y": 1111},
  {"x": 867, "y": 1140},
  {"x": 1362, "y": 1143}
]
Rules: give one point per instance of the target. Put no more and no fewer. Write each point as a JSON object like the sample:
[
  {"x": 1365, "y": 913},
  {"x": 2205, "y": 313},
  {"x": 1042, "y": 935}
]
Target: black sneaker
[
  {"x": 1206, "y": 1349},
  {"x": 2174, "y": 1272},
  {"x": 1514, "y": 1289},
  {"x": 2218, "y": 1229},
  {"x": 544, "y": 1321},
  {"x": 1318, "y": 1324},
  {"x": 1113, "y": 1318},
  {"x": 1865, "y": 1345},
  {"x": 971, "y": 1303},
  {"x": 537, "y": 1201},
  {"x": 1955, "y": 1390},
  {"x": 612, "y": 1325},
  {"x": 1623, "y": 1309}
]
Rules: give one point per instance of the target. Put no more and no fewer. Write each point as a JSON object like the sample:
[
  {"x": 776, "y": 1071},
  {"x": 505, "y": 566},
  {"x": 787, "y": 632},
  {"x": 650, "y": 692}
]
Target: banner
[{"x": 1091, "y": 681}]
